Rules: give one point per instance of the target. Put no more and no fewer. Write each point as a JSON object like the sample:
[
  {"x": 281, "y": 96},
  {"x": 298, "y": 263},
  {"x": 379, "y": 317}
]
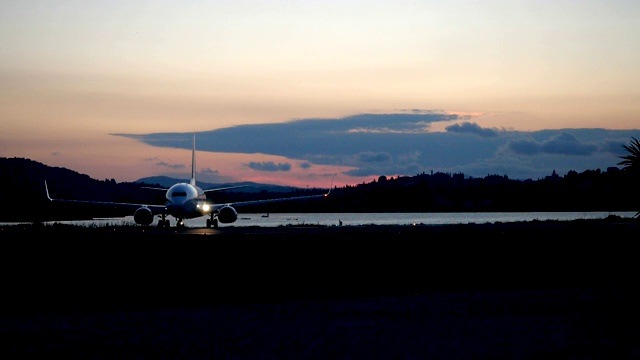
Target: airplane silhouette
[{"x": 184, "y": 201}]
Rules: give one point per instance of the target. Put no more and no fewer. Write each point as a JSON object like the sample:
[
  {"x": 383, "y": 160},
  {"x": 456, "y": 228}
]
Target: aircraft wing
[
  {"x": 266, "y": 201},
  {"x": 116, "y": 207},
  {"x": 225, "y": 188},
  {"x": 208, "y": 190}
]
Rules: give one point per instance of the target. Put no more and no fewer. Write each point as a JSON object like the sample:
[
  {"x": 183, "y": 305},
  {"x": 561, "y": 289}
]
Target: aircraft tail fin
[{"x": 193, "y": 162}]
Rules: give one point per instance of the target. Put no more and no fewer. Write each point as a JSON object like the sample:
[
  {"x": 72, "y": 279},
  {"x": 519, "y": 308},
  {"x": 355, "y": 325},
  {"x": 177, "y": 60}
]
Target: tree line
[{"x": 614, "y": 189}]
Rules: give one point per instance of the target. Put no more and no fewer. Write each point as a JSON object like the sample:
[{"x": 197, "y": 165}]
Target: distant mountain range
[
  {"x": 22, "y": 187},
  {"x": 247, "y": 186}
]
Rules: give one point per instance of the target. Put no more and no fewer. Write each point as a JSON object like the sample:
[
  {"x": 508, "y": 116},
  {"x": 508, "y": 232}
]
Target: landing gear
[
  {"x": 212, "y": 222},
  {"x": 164, "y": 222}
]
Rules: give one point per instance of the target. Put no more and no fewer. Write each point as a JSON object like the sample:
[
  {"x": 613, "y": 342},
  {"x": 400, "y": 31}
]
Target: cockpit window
[{"x": 179, "y": 193}]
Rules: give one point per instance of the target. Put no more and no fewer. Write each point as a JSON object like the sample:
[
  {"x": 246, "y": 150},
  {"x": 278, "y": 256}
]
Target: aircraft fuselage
[{"x": 185, "y": 201}]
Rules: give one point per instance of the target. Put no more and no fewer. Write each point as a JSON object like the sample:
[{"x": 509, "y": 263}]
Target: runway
[
  {"x": 518, "y": 290},
  {"x": 309, "y": 261}
]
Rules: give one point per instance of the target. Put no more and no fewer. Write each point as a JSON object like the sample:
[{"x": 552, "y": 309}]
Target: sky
[{"x": 114, "y": 89}]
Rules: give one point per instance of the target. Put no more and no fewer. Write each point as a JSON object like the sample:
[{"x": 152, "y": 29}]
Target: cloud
[
  {"x": 614, "y": 147},
  {"x": 394, "y": 169},
  {"x": 568, "y": 144},
  {"x": 396, "y": 144},
  {"x": 209, "y": 171},
  {"x": 370, "y": 156},
  {"x": 269, "y": 166},
  {"x": 524, "y": 146},
  {"x": 561, "y": 144},
  {"x": 382, "y": 163},
  {"x": 170, "y": 166},
  {"x": 209, "y": 175},
  {"x": 305, "y": 165},
  {"x": 409, "y": 157},
  {"x": 472, "y": 128},
  {"x": 373, "y": 123}
]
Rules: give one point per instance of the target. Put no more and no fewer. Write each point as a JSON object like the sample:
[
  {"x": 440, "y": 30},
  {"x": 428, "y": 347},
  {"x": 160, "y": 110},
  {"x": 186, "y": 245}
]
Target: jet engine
[
  {"x": 143, "y": 216},
  {"x": 227, "y": 215}
]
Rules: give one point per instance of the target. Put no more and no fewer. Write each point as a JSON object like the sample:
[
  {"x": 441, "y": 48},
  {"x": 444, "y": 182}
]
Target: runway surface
[{"x": 515, "y": 290}]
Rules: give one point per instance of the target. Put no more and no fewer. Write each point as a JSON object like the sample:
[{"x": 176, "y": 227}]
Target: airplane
[{"x": 185, "y": 201}]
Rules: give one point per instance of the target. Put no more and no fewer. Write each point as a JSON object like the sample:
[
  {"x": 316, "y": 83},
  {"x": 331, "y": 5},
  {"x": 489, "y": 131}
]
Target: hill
[
  {"x": 22, "y": 185},
  {"x": 247, "y": 186}
]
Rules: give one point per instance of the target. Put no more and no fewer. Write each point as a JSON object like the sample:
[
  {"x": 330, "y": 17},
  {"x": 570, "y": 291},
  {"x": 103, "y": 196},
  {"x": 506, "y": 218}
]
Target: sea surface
[{"x": 346, "y": 219}]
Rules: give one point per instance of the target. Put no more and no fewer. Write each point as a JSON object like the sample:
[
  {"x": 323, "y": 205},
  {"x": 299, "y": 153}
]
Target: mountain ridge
[{"x": 22, "y": 186}]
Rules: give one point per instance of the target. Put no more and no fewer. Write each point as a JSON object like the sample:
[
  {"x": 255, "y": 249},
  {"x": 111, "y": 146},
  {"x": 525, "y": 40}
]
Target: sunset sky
[{"x": 73, "y": 74}]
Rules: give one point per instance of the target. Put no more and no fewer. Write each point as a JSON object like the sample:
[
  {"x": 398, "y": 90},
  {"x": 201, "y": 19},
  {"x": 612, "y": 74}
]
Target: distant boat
[{"x": 265, "y": 215}]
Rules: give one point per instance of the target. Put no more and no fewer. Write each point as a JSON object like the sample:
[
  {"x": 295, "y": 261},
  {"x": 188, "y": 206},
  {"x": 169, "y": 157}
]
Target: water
[{"x": 334, "y": 219}]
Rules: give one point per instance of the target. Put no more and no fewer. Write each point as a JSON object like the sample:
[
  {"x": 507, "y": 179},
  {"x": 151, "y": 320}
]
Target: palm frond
[{"x": 631, "y": 161}]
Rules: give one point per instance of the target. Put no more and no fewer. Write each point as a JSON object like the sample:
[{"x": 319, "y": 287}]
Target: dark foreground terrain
[{"x": 508, "y": 290}]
